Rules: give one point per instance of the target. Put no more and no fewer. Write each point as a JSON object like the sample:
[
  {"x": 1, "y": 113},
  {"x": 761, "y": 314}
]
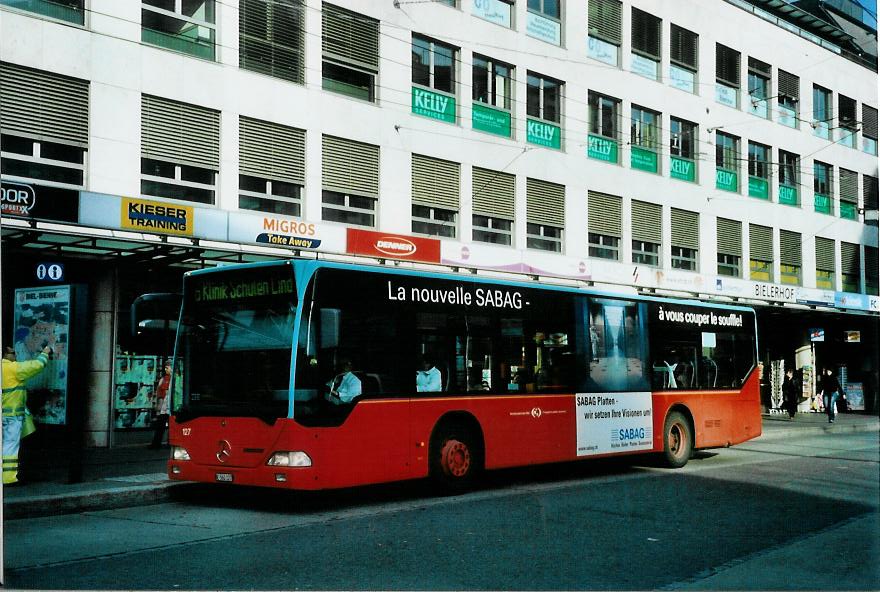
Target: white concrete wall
[{"x": 109, "y": 54}]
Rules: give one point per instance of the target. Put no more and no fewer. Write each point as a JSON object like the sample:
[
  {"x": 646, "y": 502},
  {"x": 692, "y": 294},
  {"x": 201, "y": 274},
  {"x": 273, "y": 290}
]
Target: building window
[
  {"x": 759, "y": 87},
  {"x": 684, "y": 258},
  {"x": 488, "y": 229},
  {"x": 683, "y": 56},
  {"x": 645, "y": 139},
  {"x": 869, "y": 129},
  {"x": 645, "y": 253},
  {"x": 646, "y": 44},
  {"x": 499, "y": 12},
  {"x": 825, "y": 264},
  {"x": 350, "y": 52},
  {"x": 433, "y": 221},
  {"x": 683, "y": 149},
  {"x": 870, "y": 199},
  {"x": 605, "y": 30},
  {"x": 355, "y": 210},
  {"x": 850, "y": 267},
  {"x": 436, "y": 185},
  {"x": 543, "y": 97},
  {"x": 494, "y": 197},
  {"x": 788, "y": 97},
  {"x": 685, "y": 239},
  {"x": 759, "y": 170},
  {"x": 187, "y": 26},
  {"x": 167, "y": 180},
  {"x": 761, "y": 253},
  {"x": 790, "y": 257},
  {"x": 271, "y": 38},
  {"x": 726, "y": 162},
  {"x": 727, "y": 75},
  {"x": 847, "y": 121},
  {"x": 790, "y": 274},
  {"x": 266, "y": 195},
  {"x": 492, "y": 82},
  {"x": 603, "y": 140},
  {"x": 433, "y": 64},
  {"x": 544, "y": 20},
  {"x": 603, "y": 246},
  {"x": 789, "y": 175},
  {"x": 872, "y": 271},
  {"x": 24, "y": 160},
  {"x": 822, "y": 112},
  {"x": 71, "y": 11},
  {"x": 544, "y": 237},
  {"x": 849, "y": 194},
  {"x": 823, "y": 191},
  {"x": 180, "y": 150},
  {"x": 729, "y": 265}
]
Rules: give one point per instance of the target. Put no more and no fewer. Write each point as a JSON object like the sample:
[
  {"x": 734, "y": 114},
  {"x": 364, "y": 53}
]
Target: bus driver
[{"x": 345, "y": 386}]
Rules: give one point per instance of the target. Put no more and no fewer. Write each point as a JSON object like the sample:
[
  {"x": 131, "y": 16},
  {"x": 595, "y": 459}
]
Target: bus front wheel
[
  {"x": 678, "y": 440},
  {"x": 456, "y": 459}
]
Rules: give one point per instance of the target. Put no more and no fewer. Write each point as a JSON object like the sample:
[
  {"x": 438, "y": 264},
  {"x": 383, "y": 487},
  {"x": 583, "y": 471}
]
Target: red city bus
[{"x": 317, "y": 374}]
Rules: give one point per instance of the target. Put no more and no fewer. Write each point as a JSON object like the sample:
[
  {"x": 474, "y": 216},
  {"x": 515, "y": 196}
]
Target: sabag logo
[
  {"x": 626, "y": 434},
  {"x": 396, "y": 247}
]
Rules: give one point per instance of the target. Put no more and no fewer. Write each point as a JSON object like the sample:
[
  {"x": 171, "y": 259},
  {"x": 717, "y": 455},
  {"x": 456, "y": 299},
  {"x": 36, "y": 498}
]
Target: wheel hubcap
[
  {"x": 455, "y": 458},
  {"x": 676, "y": 440}
]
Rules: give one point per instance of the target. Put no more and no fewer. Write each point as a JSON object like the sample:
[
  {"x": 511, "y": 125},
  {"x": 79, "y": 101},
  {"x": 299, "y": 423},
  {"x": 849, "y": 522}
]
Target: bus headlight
[
  {"x": 296, "y": 458},
  {"x": 179, "y": 453}
]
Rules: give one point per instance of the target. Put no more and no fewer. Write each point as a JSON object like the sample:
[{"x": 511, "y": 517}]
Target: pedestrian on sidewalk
[
  {"x": 17, "y": 420},
  {"x": 162, "y": 400},
  {"x": 790, "y": 393},
  {"x": 830, "y": 392}
]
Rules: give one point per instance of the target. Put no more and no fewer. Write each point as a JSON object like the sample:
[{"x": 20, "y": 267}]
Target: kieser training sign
[
  {"x": 153, "y": 216},
  {"x": 613, "y": 422}
]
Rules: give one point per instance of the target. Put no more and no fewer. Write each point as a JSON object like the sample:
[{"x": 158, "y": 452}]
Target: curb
[
  {"x": 793, "y": 432},
  {"x": 83, "y": 501}
]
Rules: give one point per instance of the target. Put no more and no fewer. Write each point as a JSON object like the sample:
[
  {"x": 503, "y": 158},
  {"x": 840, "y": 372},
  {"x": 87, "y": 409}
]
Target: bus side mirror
[
  {"x": 330, "y": 324},
  {"x": 155, "y": 312}
]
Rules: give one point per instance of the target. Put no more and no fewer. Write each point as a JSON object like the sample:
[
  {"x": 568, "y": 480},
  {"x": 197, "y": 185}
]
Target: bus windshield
[{"x": 235, "y": 343}]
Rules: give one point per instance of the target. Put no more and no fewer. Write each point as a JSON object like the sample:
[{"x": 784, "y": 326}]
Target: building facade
[{"x": 723, "y": 150}]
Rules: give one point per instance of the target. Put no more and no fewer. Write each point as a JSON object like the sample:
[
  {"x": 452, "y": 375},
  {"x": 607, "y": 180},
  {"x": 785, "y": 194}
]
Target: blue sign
[{"x": 50, "y": 272}]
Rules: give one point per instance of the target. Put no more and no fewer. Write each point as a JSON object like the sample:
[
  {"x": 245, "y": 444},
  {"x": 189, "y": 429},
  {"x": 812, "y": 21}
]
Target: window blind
[
  {"x": 350, "y": 167},
  {"x": 685, "y": 229},
  {"x": 789, "y": 85},
  {"x": 849, "y": 258},
  {"x": 545, "y": 203},
  {"x": 759, "y": 67},
  {"x": 869, "y": 121},
  {"x": 435, "y": 182},
  {"x": 43, "y": 105},
  {"x": 729, "y": 237},
  {"x": 727, "y": 62},
  {"x": 603, "y": 215},
  {"x": 179, "y": 132},
  {"x": 270, "y": 150},
  {"x": 825, "y": 254},
  {"x": 349, "y": 36},
  {"x": 494, "y": 193},
  {"x": 646, "y": 34},
  {"x": 760, "y": 242},
  {"x": 790, "y": 247},
  {"x": 271, "y": 38},
  {"x": 849, "y": 186},
  {"x": 647, "y": 223},
  {"x": 869, "y": 192},
  {"x": 872, "y": 265},
  {"x": 604, "y": 18},
  {"x": 683, "y": 46}
]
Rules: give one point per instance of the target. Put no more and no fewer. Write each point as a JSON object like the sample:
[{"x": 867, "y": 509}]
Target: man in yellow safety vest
[{"x": 15, "y": 414}]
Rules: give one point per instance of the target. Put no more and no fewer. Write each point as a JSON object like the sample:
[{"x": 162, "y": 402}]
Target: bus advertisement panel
[{"x": 312, "y": 374}]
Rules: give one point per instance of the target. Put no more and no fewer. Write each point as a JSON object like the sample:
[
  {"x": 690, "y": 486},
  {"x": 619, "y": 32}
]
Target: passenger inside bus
[{"x": 428, "y": 379}]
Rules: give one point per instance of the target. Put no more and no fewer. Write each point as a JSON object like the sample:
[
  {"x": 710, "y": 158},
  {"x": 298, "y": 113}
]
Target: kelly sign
[{"x": 433, "y": 105}]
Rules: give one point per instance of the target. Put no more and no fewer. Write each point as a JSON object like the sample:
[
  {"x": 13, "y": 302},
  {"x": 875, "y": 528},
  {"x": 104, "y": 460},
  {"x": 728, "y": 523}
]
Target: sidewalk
[{"x": 133, "y": 475}]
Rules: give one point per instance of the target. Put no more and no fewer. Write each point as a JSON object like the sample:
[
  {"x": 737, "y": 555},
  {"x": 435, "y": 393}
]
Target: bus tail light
[
  {"x": 296, "y": 458},
  {"x": 179, "y": 453}
]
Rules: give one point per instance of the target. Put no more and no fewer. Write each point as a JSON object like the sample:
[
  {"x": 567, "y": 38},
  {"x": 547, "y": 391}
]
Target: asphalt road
[{"x": 794, "y": 514}]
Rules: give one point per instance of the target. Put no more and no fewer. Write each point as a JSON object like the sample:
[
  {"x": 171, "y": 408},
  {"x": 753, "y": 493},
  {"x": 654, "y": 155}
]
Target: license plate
[{"x": 223, "y": 477}]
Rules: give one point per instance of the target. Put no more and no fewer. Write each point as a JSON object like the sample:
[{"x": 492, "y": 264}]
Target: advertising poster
[
  {"x": 855, "y": 396},
  {"x": 41, "y": 318},
  {"x": 613, "y": 422}
]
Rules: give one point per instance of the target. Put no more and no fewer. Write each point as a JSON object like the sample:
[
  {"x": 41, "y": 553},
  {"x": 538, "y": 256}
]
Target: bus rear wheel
[
  {"x": 678, "y": 440},
  {"x": 456, "y": 459}
]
